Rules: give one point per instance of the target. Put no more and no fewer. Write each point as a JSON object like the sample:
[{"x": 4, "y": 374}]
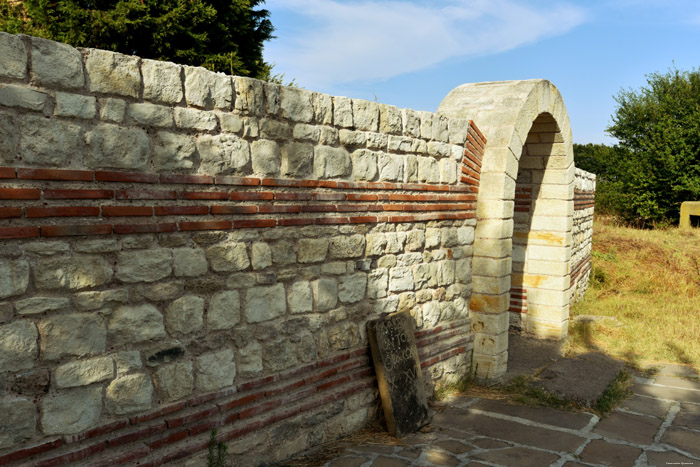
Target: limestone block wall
[
  {"x": 182, "y": 250},
  {"x": 584, "y": 202}
]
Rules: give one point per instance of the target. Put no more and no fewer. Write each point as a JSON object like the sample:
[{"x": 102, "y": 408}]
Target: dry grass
[{"x": 649, "y": 281}]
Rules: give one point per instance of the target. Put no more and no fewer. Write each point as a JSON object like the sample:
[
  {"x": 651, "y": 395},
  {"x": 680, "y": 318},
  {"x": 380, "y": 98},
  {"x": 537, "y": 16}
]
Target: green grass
[{"x": 649, "y": 282}]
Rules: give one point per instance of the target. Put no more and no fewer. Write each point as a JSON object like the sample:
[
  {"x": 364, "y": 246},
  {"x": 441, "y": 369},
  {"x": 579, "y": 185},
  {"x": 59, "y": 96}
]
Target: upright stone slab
[{"x": 398, "y": 372}]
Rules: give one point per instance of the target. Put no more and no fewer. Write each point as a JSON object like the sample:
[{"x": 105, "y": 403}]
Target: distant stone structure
[{"x": 182, "y": 250}]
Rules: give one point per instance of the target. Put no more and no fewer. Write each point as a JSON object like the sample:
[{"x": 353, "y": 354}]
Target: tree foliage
[
  {"x": 221, "y": 35},
  {"x": 657, "y": 163}
]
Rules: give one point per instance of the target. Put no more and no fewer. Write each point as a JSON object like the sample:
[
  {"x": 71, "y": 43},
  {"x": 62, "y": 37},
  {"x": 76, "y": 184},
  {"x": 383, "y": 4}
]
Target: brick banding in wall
[
  {"x": 518, "y": 300},
  {"x": 248, "y": 203},
  {"x": 473, "y": 155},
  {"x": 182, "y": 428}
]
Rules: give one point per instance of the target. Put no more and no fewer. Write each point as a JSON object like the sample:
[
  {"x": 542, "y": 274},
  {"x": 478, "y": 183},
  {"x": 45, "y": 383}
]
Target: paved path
[{"x": 658, "y": 426}]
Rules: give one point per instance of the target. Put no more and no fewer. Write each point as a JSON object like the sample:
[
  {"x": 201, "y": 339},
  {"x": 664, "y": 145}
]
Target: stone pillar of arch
[{"x": 524, "y": 214}]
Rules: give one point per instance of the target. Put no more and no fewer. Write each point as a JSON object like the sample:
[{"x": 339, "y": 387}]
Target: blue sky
[{"x": 412, "y": 53}]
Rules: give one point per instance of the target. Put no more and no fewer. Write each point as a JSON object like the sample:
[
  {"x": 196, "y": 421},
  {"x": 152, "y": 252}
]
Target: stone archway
[{"x": 524, "y": 213}]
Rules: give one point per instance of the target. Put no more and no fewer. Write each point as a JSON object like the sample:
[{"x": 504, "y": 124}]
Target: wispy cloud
[{"x": 350, "y": 41}]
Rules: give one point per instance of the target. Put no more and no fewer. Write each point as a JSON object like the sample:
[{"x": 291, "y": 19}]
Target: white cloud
[{"x": 342, "y": 42}]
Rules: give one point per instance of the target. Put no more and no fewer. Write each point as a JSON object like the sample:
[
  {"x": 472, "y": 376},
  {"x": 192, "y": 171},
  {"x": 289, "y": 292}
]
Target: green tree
[
  {"x": 221, "y": 35},
  {"x": 658, "y": 127},
  {"x": 608, "y": 163}
]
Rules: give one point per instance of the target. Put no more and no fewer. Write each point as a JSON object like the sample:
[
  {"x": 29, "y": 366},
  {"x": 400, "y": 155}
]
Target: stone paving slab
[
  {"x": 647, "y": 406},
  {"x": 677, "y": 382},
  {"x": 688, "y": 416},
  {"x": 686, "y": 440},
  {"x": 601, "y": 452},
  {"x": 667, "y": 393},
  {"x": 636, "y": 429},
  {"x": 518, "y": 456},
  {"x": 546, "y": 415},
  {"x": 508, "y": 430},
  {"x": 677, "y": 370},
  {"x": 658, "y": 459}
]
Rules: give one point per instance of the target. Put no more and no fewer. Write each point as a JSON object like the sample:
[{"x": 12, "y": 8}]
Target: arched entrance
[{"x": 522, "y": 250}]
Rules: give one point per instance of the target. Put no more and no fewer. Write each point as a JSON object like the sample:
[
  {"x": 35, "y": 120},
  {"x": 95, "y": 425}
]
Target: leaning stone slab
[{"x": 399, "y": 374}]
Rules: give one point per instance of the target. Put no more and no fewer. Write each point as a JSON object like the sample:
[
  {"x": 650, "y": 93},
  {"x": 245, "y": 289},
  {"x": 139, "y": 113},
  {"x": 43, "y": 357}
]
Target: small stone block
[
  {"x": 399, "y": 374},
  {"x": 600, "y": 452}
]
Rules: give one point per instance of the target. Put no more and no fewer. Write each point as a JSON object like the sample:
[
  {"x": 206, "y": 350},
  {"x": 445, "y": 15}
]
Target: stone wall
[
  {"x": 584, "y": 201},
  {"x": 182, "y": 250}
]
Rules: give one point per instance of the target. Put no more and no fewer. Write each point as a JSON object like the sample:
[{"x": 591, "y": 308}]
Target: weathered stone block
[
  {"x": 84, "y": 372},
  {"x": 18, "y": 347},
  {"x": 297, "y": 159},
  {"x": 74, "y": 273},
  {"x": 448, "y": 171},
  {"x": 72, "y": 335},
  {"x": 224, "y": 310},
  {"x": 14, "y": 277},
  {"x": 342, "y": 112},
  {"x": 88, "y": 301},
  {"x": 457, "y": 129},
  {"x": 400, "y": 279},
  {"x": 189, "y": 262},
  {"x": 49, "y": 142},
  {"x": 228, "y": 257},
  {"x": 174, "y": 381},
  {"x": 13, "y": 57},
  {"x": 365, "y": 115},
  {"x": 312, "y": 250},
  {"x": 428, "y": 170},
  {"x": 135, "y": 266},
  {"x": 206, "y": 89},
  {"x": 364, "y": 164},
  {"x": 278, "y": 356},
  {"x": 399, "y": 374},
  {"x": 265, "y": 155},
  {"x": 47, "y": 248},
  {"x": 222, "y": 153},
  {"x": 127, "y": 361},
  {"x": 391, "y": 167},
  {"x": 325, "y": 293},
  {"x": 389, "y": 119},
  {"x": 8, "y": 143},
  {"x": 129, "y": 394},
  {"x": 151, "y": 114},
  {"x": 130, "y": 324},
  {"x": 161, "y": 81},
  {"x": 195, "y": 119},
  {"x": 265, "y": 303},
  {"x": 18, "y": 96},
  {"x": 18, "y": 421},
  {"x": 75, "y": 105},
  {"x": 215, "y": 370},
  {"x": 230, "y": 123},
  {"x": 352, "y": 138},
  {"x": 112, "y": 110},
  {"x": 113, "y": 73},
  {"x": 35, "y": 305},
  {"x": 323, "y": 108},
  {"x": 296, "y": 104},
  {"x": 249, "y": 95},
  {"x": 261, "y": 256},
  {"x": 352, "y": 246},
  {"x": 250, "y": 360},
  {"x": 351, "y": 288},
  {"x": 71, "y": 411},
  {"x": 300, "y": 298},
  {"x": 377, "y": 283},
  {"x": 185, "y": 315},
  {"x": 400, "y": 144},
  {"x": 56, "y": 65},
  {"x": 113, "y": 146}
]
